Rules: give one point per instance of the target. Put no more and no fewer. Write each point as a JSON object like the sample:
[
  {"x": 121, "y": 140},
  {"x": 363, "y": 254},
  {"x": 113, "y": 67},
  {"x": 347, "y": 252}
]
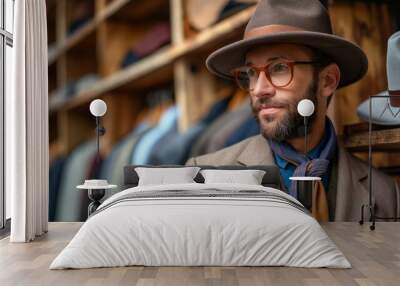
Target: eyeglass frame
[{"x": 264, "y": 68}]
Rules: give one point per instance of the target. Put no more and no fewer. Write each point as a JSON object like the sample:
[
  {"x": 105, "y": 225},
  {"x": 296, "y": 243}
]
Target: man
[{"x": 289, "y": 53}]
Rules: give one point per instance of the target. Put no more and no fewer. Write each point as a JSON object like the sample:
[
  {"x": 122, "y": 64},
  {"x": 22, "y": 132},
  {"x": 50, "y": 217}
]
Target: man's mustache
[{"x": 265, "y": 102}]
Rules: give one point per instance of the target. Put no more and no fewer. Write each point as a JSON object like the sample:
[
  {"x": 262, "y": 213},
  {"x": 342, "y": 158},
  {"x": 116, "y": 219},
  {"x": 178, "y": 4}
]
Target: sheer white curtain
[{"x": 27, "y": 124}]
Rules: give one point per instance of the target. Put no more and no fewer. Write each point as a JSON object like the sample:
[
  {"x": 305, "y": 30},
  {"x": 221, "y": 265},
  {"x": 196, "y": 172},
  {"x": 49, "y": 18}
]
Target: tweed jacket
[{"x": 351, "y": 182}]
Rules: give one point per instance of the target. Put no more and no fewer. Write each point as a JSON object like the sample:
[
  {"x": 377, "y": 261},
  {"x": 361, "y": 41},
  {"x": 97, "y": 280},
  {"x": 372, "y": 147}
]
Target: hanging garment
[
  {"x": 71, "y": 202},
  {"x": 55, "y": 173},
  {"x": 143, "y": 148},
  {"x": 112, "y": 167},
  {"x": 248, "y": 129},
  {"x": 174, "y": 147},
  {"x": 108, "y": 164},
  {"x": 200, "y": 147},
  {"x": 229, "y": 128},
  {"x": 125, "y": 153}
]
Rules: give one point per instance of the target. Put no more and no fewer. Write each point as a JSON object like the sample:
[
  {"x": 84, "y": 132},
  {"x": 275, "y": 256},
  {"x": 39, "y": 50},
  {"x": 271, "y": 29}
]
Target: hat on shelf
[
  {"x": 303, "y": 22},
  {"x": 382, "y": 112},
  {"x": 96, "y": 185},
  {"x": 202, "y": 14},
  {"x": 393, "y": 66},
  {"x": 385, "y": 110}
]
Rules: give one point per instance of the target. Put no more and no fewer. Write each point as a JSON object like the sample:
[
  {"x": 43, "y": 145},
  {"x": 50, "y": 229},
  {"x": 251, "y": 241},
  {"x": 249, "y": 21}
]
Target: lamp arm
[
  {"x": 305, "y": 135},
  {"x": 100, "y": 131}
]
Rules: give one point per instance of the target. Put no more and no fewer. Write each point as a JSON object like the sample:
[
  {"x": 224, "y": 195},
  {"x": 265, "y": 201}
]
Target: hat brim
[
  {"x": 350, "y": 58},
  {"x": 380, "y": 114}
]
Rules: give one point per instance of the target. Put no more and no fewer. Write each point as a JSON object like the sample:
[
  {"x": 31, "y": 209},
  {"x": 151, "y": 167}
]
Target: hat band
[{"x": 270, "y": 29}]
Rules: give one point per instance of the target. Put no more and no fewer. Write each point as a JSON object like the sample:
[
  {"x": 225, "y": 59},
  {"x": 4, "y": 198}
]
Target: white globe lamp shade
[
  {"x": 98, "y": 107},
  {"x": 305, "y": 107}
]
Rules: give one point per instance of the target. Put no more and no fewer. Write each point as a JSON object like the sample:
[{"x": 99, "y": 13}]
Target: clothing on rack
[
  {"x": 155, "y": 140},
  {"x": 55, "y": 173},
  {"x": 249, "y": 128},
  {"x": 144, "y": 147},
  {"x": 72, "y": 203},
  {"x": 201, "y": 146},
  {"x": 174, "y": 147},
  {"x": 122, "y": 158},
  {"x": 230, "y": 126}
]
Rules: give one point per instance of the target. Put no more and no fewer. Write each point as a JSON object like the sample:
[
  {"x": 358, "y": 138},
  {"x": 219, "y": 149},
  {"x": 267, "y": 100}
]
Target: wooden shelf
[
  {"x": 219, "y": 34},
  {"x": 72, "y": 41},
  {"x": 159, "y": 64},
  {"x": 382, "y": 140},
  {"x": 118, "y": 9},
  {"x": 136, "y": 10},
  {"x": 111, "y": 9}
]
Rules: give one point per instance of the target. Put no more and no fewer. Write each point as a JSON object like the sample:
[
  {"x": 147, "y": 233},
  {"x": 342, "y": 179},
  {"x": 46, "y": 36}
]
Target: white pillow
[
  {"x": 249, "y": 177},
  {"x": 161, "y": 176}
]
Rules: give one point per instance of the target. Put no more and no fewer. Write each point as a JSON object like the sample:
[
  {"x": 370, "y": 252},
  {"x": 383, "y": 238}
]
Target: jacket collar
[
  {"x": 352, "y": 181},
  {"x": 257, "y": 152},
  {"x": 352, "y": 173},
  {"x": 351, "y": 165}
]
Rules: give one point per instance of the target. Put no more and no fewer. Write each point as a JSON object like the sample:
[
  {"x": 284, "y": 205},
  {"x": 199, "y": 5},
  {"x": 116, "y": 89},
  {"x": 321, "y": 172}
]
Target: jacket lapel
[
  {"x": 257, "y": 152},
  {"x": 352, "y": 175},
  {"x": 352, "y": 185}
]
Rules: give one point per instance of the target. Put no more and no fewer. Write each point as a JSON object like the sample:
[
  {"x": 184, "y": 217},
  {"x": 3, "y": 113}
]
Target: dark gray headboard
[{"x": 270, "y": 179}]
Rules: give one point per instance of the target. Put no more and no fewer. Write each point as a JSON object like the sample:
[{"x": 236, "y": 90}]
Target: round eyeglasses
[{"x": 279, "y": 73}]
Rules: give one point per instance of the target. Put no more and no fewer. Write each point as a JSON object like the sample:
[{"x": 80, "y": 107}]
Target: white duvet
[{"x": 206, "y": 230}]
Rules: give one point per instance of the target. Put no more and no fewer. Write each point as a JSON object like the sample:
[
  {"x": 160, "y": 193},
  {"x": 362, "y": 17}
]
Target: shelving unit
[
  {"x": 385, "y": 143},
  {"x": 115, "y": 25},
  {"x": 382, "y": 140},
  {"x": 158, "y": 64}
]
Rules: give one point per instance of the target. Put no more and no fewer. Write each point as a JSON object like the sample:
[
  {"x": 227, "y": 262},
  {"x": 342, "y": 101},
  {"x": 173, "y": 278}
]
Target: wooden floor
[{"x": 374, "y": 255}]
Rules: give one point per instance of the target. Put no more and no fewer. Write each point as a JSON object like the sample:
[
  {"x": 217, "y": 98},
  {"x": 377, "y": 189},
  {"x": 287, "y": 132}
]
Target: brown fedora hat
[{"x": 303, "y": 22}]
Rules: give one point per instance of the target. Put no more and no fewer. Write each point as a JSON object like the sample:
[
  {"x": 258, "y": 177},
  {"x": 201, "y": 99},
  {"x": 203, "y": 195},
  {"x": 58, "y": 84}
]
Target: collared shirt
[
  {"x": 287, "y": 169},
  {"x": 143, "y": 148}
]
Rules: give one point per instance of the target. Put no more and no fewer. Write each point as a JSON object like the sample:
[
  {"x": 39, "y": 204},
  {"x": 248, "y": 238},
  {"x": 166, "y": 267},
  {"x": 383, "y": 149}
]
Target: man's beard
[{"x": 289, "y": 125}]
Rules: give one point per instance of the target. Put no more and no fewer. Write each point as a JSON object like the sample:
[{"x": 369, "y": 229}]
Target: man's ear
[{"x": 330, "y": 78}]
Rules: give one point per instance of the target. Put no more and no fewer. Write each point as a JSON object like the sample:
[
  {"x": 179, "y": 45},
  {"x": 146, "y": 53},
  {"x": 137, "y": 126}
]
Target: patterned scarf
[{"x": 305, "y": 167}]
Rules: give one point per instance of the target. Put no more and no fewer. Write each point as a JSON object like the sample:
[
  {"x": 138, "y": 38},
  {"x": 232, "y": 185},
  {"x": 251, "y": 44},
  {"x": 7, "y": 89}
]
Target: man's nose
[{"x": 262, "y": 86}]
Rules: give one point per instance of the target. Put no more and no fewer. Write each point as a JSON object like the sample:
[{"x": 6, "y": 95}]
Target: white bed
[{"x": 201, "y": 224}]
